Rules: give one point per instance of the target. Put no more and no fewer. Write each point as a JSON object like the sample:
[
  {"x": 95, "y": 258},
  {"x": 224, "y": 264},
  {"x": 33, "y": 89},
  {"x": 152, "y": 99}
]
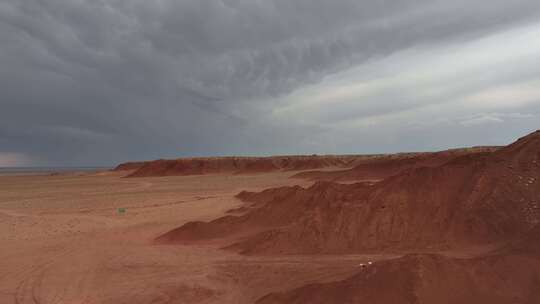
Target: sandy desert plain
[{"x": 457, "y": 226}]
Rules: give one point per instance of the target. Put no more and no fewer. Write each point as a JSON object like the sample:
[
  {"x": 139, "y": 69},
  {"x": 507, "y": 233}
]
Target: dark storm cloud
[{"x": 97, "y": 82}]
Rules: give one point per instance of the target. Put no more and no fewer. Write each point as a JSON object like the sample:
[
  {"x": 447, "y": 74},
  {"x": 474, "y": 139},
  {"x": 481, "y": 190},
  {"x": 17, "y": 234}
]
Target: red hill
[
  {"x": 389, "y": 165},
  {"x": 129, "y": 166},
  {"x": 240, "y": 165},
  {"x": 478, "y": 198}
]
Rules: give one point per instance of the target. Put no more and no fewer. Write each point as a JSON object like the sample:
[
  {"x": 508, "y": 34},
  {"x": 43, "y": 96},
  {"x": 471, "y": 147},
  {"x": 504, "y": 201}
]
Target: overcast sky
[{"x": 97, "y": 82}]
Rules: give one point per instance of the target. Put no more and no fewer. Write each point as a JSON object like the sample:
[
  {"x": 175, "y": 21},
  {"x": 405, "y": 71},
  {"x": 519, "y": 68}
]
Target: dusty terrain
[
  {"x": 459, "y": 226},
  {"x": 63, "y": 241}
]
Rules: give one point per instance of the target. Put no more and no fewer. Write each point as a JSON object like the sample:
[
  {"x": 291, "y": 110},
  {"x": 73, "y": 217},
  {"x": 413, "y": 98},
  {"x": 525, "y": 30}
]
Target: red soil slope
[
  {"x": 413, "y": 279},
  {"x": 241, "y": 165},
  {"x": 389, "y": 165},
  {"x": 478, "y": 198},
  {"x": 512, "y": 275},
  {"x": 529, "y": 243}
]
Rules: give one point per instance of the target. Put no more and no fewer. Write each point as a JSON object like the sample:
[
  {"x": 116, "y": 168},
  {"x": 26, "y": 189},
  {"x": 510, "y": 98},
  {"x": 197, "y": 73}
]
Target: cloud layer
[{"x": 98, "y": 82}]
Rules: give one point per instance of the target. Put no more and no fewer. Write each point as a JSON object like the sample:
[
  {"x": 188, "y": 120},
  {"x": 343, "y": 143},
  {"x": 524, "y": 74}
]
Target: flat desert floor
[{"x": 63, "y": 240}]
